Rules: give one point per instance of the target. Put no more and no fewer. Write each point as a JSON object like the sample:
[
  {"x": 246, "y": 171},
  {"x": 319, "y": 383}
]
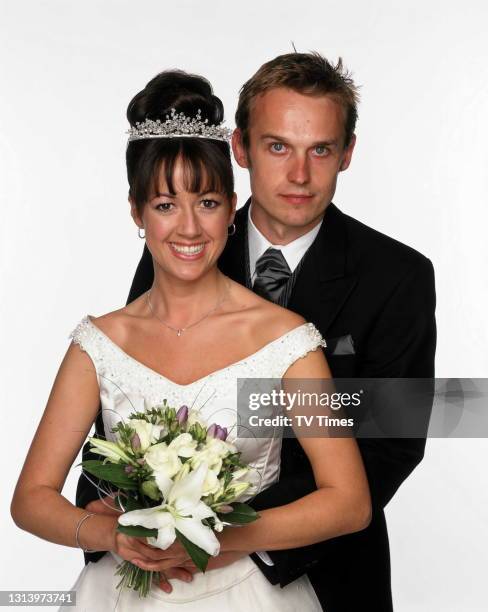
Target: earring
[
  {"x": 139, "y": 232},
  {"x": 232, "y": 229}
]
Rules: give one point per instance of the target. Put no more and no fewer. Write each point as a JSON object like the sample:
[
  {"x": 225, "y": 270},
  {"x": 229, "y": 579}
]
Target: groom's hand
[
  {"x": 188, "y": 568},
  {"x": 175, "y": 573},
  {"x": 106, "y": 505}
]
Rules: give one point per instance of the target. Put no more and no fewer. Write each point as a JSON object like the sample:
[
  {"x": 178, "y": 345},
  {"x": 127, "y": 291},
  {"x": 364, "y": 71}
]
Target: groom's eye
[
  {"x": 321, "y": 150},
  {"x": 277, "y": 147}
]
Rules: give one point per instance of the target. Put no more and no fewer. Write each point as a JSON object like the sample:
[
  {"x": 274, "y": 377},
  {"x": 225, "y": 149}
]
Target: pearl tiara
[{"x": 178, "y": 125}]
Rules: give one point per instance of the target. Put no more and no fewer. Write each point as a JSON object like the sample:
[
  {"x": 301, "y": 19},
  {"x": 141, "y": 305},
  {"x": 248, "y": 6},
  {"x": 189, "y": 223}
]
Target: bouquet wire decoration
[{"x": 178, "y": 478}]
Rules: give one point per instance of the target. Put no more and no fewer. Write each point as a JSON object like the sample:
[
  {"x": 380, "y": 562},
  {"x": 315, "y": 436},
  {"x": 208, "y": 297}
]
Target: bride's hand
[
  {"x": 137, "y": 550},
  {"x": 160, "y": 560},
  {"x": 140, "y": 553}
]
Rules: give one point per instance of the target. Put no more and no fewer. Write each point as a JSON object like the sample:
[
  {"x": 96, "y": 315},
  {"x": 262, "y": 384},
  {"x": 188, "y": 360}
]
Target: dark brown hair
[
  {"x": 207, "y": 163},
  {"x": 306, "y": 73}
]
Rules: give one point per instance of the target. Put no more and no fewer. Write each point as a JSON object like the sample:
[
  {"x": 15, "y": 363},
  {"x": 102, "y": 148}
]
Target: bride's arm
[
  {"x": 340, "y": 505},
  {"x": 37, "y": 505}
]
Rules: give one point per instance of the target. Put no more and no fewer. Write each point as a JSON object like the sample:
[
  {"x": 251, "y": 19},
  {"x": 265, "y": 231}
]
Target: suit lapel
[{"x": 323, "y": 285}]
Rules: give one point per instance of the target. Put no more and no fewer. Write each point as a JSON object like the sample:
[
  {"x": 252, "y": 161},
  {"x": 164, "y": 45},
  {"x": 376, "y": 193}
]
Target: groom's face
[{"x": 296, "y": 151}]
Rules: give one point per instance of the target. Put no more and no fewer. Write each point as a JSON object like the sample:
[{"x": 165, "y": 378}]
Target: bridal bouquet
[{"x": 179, "y": 480}]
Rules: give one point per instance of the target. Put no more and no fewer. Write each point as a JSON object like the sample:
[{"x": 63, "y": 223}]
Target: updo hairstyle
[{"x": 207, "y": 163}]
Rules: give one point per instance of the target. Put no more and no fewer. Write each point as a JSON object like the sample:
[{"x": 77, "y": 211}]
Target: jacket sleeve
[{"x": 401, "y": 345}]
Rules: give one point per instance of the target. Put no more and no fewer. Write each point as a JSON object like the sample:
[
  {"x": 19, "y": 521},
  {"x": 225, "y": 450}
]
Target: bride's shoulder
[
  {"x": 115, "y": 324},
  {"x": 279, "y": 320},
  {"x": 267, "y": 320}
]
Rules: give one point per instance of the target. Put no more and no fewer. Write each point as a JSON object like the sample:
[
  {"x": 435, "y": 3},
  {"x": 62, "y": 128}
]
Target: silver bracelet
[{"x": 83, "y": 518}]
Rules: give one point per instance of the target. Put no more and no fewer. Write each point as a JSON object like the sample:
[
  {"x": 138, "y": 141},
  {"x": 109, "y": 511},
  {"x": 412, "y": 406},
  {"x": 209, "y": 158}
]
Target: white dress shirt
[{"x": 293, "y": 253}]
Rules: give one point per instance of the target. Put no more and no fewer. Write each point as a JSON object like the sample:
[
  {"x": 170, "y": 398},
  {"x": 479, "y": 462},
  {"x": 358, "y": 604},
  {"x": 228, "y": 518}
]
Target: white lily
[
  {"x": 183, "y": 511},
  {"x": 185, "y": 470},
  {"x": 109, "y": 449},
  {"x": 211, "y": 484}
]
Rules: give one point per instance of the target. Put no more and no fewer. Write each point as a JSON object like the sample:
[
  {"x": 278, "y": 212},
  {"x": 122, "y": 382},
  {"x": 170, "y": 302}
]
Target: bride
[{"x": 192, "y": 335}]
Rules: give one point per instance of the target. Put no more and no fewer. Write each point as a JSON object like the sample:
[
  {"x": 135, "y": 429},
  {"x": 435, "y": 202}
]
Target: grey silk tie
[{"x": 272, "y": 274}]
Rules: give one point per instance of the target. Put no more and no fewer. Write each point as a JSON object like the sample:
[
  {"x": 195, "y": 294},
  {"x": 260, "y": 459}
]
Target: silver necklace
[{"x": 180, "y": 330}]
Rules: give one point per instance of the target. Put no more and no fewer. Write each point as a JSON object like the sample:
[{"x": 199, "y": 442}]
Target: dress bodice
[{"x": 127, "y": 385}]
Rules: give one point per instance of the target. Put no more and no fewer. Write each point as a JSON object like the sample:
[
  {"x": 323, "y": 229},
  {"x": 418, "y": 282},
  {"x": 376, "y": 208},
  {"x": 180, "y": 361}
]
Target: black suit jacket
[{"x": 354, "y": 282}]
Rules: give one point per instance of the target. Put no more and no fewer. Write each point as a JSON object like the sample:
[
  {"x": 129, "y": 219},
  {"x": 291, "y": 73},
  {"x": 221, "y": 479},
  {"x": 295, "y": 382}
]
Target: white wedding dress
[{"x": 127, "y": 385}]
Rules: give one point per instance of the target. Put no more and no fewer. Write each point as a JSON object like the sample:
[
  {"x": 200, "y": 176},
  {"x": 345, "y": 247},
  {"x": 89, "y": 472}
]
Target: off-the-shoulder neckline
[{"x": 202, "y": 378}]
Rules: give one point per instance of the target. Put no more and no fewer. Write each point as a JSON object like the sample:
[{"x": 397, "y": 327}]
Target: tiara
[{"x": 178, "y": 125}]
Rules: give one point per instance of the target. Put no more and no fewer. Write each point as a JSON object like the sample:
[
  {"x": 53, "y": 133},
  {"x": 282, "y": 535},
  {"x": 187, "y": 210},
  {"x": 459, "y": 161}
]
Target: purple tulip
[
  {"x": 225, "y": 509},
  {"x": 212, "y": 430},
  {"x": 221, "y": 433},
  {"x": 135, "y": 442},
  {"x": 128, "y": 469},
  {"x": 182, "y": 415}
]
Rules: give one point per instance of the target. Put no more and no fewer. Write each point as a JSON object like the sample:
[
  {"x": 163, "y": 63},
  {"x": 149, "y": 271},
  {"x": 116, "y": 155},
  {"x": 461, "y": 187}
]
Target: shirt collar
[{"x": 292, "y": 252}]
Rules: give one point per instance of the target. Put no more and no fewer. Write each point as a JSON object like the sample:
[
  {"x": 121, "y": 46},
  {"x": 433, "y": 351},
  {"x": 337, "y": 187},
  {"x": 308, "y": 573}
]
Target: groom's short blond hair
[{"x": 308, "y": 74}]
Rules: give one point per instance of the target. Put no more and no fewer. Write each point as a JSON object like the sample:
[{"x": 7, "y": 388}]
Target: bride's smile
[
  {"x": 187, "y": 251},
  {"x": 185, "y": 230}
]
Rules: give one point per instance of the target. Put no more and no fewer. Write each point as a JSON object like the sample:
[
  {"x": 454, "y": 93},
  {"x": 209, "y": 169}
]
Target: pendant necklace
[{"x": 180, "y": 330}]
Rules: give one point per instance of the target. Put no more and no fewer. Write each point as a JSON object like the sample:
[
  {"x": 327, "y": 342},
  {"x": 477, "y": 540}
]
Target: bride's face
[{"x": 185, "y": 231}]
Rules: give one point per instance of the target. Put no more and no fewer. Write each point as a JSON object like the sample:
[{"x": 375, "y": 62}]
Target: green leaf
[
  {"x": 198, "y": 555},
  {"x": 242, "y": 514},
  {"x": 111, "y": 472},
  {"x": 137, "y": 531}
]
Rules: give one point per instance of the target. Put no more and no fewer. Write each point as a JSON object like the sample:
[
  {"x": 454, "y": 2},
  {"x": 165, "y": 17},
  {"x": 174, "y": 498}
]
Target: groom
[{"x": 371, "y": 297}]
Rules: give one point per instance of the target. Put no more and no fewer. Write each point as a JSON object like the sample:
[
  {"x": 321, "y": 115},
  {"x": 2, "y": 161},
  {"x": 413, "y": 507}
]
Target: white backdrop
[{"x": 68, "y": 246}]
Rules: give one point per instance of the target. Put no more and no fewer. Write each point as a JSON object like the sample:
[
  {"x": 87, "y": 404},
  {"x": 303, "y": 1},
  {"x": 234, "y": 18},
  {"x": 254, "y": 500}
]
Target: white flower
[
  {"x": 163, "y": 460},
  {"x": 221, "y": 448},
  {"x": 109, "y": 449},
  {"x": 147, "y": 432},
  {"x": 211, "y": 484},
  {"x": 183, "y": 511},
  {"x": 250, "y": 485},
  {"x": 213, "y": 463},
  {"x": 212, "y": 454},
  {"x": 183, "y": 472},
  {"x": 184, "y": 445},
  {"x": 239, "y": 488}
]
